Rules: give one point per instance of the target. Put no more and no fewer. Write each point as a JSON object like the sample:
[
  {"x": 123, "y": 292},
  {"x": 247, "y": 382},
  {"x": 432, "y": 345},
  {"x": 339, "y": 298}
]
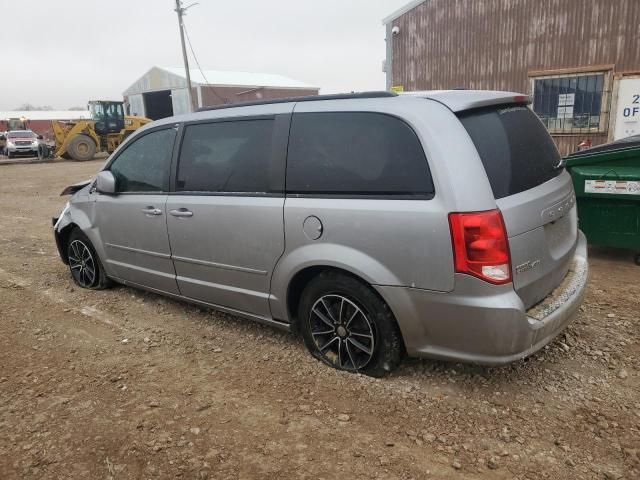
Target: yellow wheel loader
[{"x": 82, "y": 139}]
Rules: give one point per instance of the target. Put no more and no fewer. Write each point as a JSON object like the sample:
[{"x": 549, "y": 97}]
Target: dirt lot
[{"x": 122, "y": 384}]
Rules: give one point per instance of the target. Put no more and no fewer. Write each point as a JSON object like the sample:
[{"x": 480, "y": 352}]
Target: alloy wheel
[
  {"x": 342, "y": 332},
  {"x": 82, "y": 264}
]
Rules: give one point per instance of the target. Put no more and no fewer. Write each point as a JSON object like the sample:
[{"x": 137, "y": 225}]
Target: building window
[{"x": 572, "y": 103}]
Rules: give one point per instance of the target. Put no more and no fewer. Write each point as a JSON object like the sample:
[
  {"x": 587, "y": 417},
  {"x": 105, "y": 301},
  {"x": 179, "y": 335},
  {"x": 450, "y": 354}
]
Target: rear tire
[
  {"x": 637, "y": 259},
  {"x": 84, "y": 264},
  {"x": 81, "y": 148},
  {"x": 345, "y": 324}
]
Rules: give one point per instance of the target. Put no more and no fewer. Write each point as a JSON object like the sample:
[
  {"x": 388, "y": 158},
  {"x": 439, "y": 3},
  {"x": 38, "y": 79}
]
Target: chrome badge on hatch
[
  {"x": 560, "y": 209},
  {"x": 527, "y": 266}
]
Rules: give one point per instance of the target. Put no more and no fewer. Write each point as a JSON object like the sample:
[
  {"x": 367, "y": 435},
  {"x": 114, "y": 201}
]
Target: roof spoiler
[{"x": 461, "y": 100}]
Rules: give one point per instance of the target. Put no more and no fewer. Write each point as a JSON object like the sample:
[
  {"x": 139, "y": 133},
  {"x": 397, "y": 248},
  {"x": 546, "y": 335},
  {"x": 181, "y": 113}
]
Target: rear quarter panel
[{"x": 385, "y": 241}]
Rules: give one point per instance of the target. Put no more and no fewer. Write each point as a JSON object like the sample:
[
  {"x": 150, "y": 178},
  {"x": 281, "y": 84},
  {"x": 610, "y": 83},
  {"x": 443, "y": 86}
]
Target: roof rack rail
[{"x": 312, "y": 98}]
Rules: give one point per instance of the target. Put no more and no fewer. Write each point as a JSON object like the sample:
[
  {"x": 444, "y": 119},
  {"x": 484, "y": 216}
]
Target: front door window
[{"x": 144, "y": 165}]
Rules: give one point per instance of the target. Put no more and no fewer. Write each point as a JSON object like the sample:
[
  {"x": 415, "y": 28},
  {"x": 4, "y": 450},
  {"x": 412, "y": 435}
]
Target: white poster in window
[
  {"x": 565, "y": 112},
  {"x": 566, "y": 99},
  {"x": 628, "y": 109}
]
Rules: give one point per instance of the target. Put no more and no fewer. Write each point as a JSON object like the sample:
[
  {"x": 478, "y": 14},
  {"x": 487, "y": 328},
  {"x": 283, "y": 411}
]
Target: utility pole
[{"x": 181, "y": 11}]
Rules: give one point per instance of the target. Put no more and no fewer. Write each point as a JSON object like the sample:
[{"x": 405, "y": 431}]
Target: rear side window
[
  {"x": 355, "y": 153},
  {"x": 230, "y": 156},
  {"x": 514, "y": 146}
]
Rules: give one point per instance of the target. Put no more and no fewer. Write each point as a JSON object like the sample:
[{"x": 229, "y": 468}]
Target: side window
[
  {"x": 144, "y": 165},
  {"x": 355, "y": 153},
  {"x": 232, "y": 156}
]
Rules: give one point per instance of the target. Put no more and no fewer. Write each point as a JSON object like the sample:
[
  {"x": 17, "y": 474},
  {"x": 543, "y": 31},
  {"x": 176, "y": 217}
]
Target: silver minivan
[{"x": 437, "y": 224}]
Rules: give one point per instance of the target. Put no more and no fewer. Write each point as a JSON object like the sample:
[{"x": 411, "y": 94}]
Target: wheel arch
[
  {"x": 78, "y": 216},
  {"x": 300, "y": 263},
  {"x": 304, "y": 276},
  {"x": 62, "y": 239}
]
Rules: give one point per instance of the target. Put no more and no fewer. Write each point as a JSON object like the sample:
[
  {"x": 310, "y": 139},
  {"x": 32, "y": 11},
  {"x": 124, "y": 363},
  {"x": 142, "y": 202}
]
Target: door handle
[
  {"x": 181, "y": 212},
  {"x": 151, "y": 211}
]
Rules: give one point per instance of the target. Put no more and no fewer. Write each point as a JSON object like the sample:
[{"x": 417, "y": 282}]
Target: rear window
[
  {"x": 355, "y": 153},
  {"x": 514, "y": 146}
]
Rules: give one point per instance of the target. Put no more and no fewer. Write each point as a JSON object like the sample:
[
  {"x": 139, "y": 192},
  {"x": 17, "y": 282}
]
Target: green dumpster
[{"x": 607, "y": 184}]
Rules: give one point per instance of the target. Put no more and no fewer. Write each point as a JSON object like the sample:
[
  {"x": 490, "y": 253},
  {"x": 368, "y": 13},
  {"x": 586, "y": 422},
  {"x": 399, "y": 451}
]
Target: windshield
[
  {"x": 21, "y": 134},
  {"x": 101, "y": 110}
]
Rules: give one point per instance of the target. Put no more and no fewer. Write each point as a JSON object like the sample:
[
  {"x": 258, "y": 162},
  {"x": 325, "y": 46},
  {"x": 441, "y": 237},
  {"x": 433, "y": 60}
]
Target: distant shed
[{"x": 162, "y": 92}]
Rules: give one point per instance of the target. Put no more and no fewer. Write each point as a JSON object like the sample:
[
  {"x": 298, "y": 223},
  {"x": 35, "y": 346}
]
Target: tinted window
[
  {"x": 144, "y": 165},
  {"x": 516, "y": 150},
  {"x": 226, "y": 157},
  {"x": 355, "y": 153}
]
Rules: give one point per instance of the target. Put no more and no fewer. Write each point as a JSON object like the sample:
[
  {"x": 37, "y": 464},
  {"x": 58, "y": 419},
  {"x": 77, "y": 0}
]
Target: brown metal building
[{"x": 578, "y": 59}]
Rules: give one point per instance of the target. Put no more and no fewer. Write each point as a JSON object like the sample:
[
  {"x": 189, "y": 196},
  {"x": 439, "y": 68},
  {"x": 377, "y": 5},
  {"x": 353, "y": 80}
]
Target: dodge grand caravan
[{"x": 440, "y": 224}]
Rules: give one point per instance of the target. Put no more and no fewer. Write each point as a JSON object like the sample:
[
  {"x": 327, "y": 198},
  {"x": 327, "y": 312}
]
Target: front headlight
[{"x": 10, "y": 143}]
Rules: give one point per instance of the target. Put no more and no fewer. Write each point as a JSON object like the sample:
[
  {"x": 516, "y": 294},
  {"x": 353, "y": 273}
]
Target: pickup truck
[{"x": 22, "y": 142}]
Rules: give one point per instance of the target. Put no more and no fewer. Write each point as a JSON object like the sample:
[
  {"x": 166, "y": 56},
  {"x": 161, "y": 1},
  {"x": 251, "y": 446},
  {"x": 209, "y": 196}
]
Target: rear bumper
[{"x": 482, "y": 323}]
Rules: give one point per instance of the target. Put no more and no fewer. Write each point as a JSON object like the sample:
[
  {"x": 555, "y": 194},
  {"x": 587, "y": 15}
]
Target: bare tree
[{"x": 29, "y": 107}]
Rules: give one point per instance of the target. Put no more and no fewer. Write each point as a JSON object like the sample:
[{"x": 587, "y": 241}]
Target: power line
[{"x": 186, "y": 33}]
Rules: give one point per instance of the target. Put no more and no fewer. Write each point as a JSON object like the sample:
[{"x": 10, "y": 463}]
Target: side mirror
[
  {"x": 40, "y": 137},
  {"x": 106, "y": 182}
]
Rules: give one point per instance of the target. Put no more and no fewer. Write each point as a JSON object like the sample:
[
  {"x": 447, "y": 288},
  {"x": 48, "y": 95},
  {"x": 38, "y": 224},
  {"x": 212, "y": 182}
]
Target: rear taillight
[{"x": 480, "y": 245}]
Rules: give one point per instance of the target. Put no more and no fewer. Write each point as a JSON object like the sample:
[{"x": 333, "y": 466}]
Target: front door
[
  {"x": 132, "y": 223},
  {"x": 225, "y": 218}
]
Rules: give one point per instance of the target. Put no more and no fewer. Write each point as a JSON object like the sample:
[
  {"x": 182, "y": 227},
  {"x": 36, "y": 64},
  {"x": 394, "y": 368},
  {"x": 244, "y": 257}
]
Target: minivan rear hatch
[{"x": 533, "y": 192}]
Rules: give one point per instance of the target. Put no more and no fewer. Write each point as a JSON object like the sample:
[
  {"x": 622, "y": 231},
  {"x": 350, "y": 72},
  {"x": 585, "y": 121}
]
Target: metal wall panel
[
  {"x": 497, "y": 44},
  {"x": 180, "y": 101},
  {"x": 494, "y": 44},
  {"x": 154, "y": 80},
  {"x": 136, "y": 105},
  {"x": 212, "y": 96}
]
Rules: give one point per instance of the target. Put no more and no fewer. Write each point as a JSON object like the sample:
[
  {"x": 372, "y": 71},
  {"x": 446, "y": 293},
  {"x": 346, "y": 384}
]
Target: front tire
[
  {"x": 84, "y": 264},
  {"x": 81, "y": 148},
  {"x": 347, "y": 325}
]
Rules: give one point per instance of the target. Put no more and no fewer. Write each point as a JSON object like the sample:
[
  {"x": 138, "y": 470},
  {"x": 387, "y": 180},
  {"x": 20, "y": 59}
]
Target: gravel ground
[{"x": 123, "y": 384}]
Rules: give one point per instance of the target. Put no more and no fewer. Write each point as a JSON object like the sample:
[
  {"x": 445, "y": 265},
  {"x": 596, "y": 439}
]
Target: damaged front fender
[{"x": 71, "y": 189}]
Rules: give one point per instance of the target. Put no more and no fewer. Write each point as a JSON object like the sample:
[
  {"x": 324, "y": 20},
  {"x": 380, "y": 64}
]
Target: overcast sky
[{"x": 65, "y": 53}]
